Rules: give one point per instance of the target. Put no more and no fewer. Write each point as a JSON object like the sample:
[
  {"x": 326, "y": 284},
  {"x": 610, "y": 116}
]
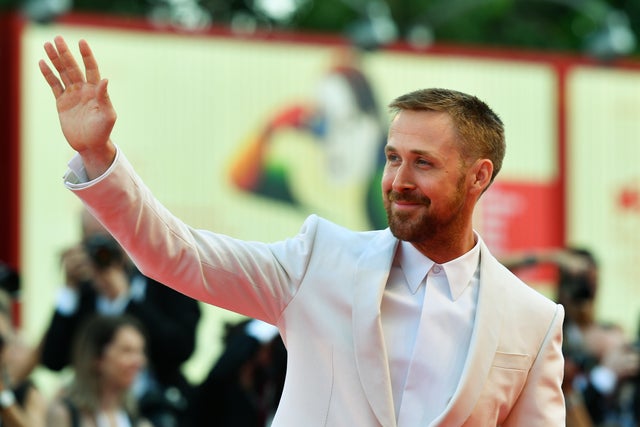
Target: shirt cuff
[
  {"x": 67, "y": 301},
  {"x": 138, "y": 288},
  {"x": 603, "y": 379},
  {"x": 261, "y": 331},
  {"x": 76, "y": 175}
]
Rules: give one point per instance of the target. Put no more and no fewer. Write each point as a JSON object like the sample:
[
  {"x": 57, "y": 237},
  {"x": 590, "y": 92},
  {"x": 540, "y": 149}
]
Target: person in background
[
  {"x": 414, "y": 325},
  {"x": 602, "y": 351},
  {"x": 243, "y": 387},
  {"x": 25, "y": 357},
  {"x": 601, "y": 364},
  {"x": 100, "y": 279},
  {"x": 108, "y": 355},
  {"x": 21, "y": 402}
]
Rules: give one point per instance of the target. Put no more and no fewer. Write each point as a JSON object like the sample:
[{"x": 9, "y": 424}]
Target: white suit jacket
[{"x": 323, "y": 290}]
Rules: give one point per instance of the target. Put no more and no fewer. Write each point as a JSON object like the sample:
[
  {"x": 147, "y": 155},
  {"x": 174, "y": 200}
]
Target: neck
[
  {"x": 111, "y": 399},
  {"x": 444, "y": 248}
]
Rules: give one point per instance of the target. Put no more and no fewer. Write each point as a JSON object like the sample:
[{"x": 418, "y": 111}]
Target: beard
[
  {"x": 424, "y": 224},
  {"x": 409, "y": 226}
]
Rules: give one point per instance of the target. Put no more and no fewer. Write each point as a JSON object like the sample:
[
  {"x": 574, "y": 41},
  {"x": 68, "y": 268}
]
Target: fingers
[
  {"x": 90, "y": 64},
  {"x": 53, "y": 81},
  {"x": 55, "y": 56},
  {"x": 72, "y": 71},
  {"x": 103, "y": 95},
  {"x": 77, "y": 265},
  {"x": 65, "y": 64}
]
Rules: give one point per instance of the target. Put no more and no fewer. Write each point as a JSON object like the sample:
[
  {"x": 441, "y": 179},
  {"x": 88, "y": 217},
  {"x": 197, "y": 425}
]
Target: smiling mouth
[
  {"x": 400, "y": 208},
  {"x": 399, "y": 199}
]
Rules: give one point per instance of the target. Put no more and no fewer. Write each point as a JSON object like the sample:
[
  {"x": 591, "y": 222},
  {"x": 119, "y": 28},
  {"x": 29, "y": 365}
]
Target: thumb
[{"x": 102, "y": 93}]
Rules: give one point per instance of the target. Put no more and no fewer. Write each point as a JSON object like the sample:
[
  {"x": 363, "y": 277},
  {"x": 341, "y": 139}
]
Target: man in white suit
[{"x": 415, "y": 325}]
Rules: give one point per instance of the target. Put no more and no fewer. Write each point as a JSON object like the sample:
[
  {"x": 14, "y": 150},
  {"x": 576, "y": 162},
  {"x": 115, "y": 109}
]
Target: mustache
[{"x": 395, "y": 196}]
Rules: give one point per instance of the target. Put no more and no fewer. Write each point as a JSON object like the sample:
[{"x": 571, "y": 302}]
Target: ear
[{"x": 480, "y": 174}]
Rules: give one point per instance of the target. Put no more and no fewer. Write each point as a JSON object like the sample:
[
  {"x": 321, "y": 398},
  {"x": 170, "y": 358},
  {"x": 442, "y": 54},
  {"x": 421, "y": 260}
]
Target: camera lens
[{"x": 103, "y": 250}]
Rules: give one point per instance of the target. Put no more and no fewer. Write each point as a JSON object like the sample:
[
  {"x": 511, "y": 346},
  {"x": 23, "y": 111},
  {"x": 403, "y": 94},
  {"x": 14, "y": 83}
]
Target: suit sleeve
[
  {"x": 541, "y": 402},
  {"x": 255, "y": 279}
]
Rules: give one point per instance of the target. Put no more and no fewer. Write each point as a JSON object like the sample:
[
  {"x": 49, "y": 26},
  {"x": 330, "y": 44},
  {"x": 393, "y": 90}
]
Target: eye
[
  {"x": 392, "y": 158},
  {"x": 422, "y": 162}
]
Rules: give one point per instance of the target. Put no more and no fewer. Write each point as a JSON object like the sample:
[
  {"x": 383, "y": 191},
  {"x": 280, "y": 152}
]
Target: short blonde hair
[{"x": 480, "y": 130}]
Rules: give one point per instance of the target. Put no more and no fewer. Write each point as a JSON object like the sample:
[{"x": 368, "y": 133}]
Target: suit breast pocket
[
  {"x": 508, "y": 375},
  {"x": 506, "y": 379},
  {"x": 518, "y": 362}
]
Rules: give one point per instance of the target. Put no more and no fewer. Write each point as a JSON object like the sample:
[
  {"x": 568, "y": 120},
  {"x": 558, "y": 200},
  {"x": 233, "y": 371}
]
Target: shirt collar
[
  {"x": 414, "y": 265},
  {"x": 459, "y": 271}
]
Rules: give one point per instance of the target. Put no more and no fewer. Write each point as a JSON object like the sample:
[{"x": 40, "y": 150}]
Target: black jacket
[{"x": 170, "y": 320}]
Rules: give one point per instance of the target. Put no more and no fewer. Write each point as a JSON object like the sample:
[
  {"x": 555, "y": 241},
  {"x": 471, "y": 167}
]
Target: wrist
[
  {"x": 67, "y": 300},
  {"x": 98, "y": 160},
  {"x": 603, "y": 379}
]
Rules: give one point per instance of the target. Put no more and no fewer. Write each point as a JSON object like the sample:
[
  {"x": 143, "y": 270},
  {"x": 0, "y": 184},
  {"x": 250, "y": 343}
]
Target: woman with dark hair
[{"x": 109, "y": 352}]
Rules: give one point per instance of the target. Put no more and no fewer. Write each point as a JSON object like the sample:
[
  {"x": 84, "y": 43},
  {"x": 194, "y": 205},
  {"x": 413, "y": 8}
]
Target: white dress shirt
[
  {"x": 68, "y": 299},
  {"x": 422, "y": 387}
]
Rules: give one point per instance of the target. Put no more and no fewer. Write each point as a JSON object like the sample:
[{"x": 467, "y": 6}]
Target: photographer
[
  {"x": 100, "y": 279},
  {"x": 601, "y": 365},
  {"x": 606, "y": 359}
]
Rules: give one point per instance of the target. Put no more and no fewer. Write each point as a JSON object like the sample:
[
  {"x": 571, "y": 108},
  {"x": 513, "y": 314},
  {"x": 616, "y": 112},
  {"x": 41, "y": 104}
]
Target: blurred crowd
[
  {"x": 125, "y": 339},
  {"x": 602, "y": 363}
]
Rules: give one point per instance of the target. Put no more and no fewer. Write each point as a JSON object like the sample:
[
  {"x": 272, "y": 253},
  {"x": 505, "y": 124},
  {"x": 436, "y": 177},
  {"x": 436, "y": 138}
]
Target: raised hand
[
  {"x": 77, "y": 266},
  {"x": 84, "y": 108}
]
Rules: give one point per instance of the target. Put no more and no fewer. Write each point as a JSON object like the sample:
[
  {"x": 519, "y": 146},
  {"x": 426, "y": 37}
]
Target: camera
[
  {"x": 103, "y": 250},
  {"x": 577, "y": 287}
]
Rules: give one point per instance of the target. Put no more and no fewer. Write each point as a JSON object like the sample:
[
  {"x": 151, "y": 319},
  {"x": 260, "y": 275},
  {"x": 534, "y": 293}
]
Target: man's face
[{"x": 424, "y": 184}]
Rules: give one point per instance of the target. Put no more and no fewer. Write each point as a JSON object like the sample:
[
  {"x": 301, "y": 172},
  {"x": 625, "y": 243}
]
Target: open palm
[{"x": 85, "y": 111}]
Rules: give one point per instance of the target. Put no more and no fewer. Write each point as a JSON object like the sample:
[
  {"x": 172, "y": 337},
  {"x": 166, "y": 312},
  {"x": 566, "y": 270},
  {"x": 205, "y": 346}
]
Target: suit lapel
[
  {"x": 484, "y": 343},
  {"x": 370, "y": 350}
]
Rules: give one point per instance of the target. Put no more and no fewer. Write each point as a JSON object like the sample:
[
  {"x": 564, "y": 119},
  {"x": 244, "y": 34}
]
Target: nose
[{"x": 403, "y": 179}]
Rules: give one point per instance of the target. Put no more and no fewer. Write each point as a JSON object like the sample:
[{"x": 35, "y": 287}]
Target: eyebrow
[{"x": 391, "y": 148}]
